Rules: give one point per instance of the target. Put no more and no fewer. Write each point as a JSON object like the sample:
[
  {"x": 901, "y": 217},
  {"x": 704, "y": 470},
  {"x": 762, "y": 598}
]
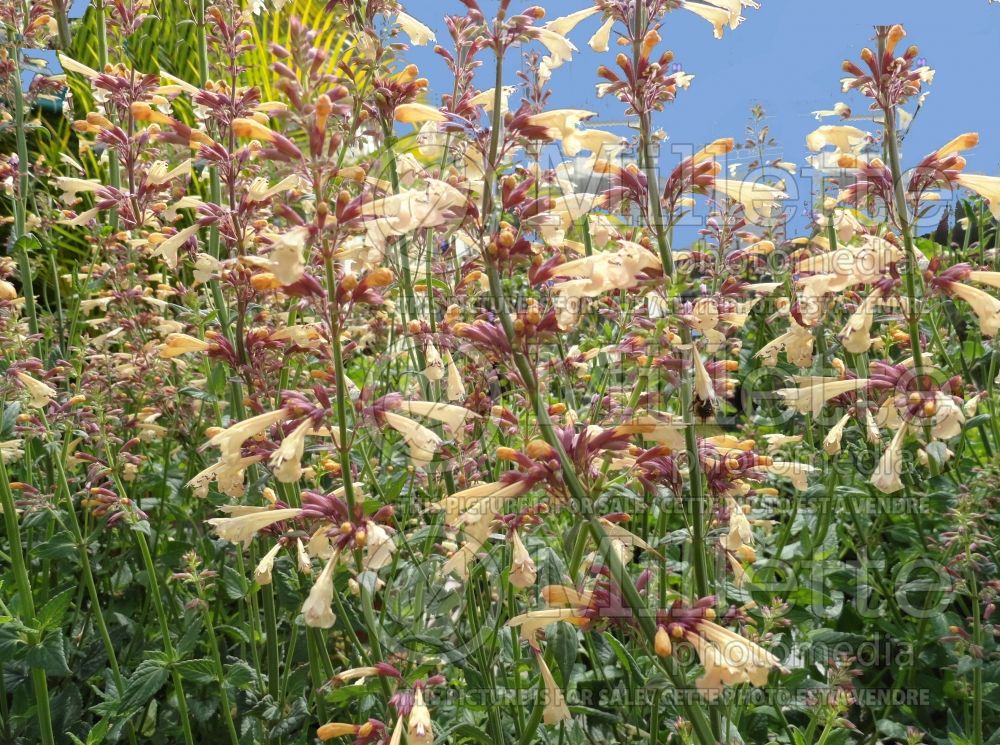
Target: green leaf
[
  {"x": 240, "y": 674},
  {"x": 143, "y": 684},
  {"x": 564, "y": 644},
  {"x": 49, "y": 654},
  {"x": 199, "y": 671},
  {"x": 53, "y": 612},
  {"x": 234, "y": 584}
]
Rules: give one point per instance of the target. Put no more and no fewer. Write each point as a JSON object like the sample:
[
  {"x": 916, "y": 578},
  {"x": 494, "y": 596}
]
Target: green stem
[
  {"x": 168, "y": 646},
  {"x": 220, "y": 673},
  {"x": 27, "y": 602},
  {"x": 88, "y": 575}
]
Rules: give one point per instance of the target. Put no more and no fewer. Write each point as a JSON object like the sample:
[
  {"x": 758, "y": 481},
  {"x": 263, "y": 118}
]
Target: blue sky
[{"x": 787, "y": 57}]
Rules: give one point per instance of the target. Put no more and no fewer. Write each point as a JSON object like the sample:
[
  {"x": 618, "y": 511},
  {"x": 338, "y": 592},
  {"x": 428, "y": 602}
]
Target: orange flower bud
[
  {"x": 662, "y": 644},
  {"x": 540, "y": 450}
]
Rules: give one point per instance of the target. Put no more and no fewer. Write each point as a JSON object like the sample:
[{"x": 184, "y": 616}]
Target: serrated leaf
[
  {"x": 143, "y": 684},
  {"x": 53, "y": 612},
  {"x": 49, "y": 654},
  {"x": 199, "y": 671},
  {"x": 234, "y": 584}
]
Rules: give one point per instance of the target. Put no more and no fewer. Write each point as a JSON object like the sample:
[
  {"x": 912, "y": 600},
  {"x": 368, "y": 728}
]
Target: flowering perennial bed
[{"x": 334, "y": 409}]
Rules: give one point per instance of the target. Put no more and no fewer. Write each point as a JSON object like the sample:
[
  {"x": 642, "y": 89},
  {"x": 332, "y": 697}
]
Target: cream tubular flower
[
  {"x": 242, "y": 528},
  {"x": 563, "y": 121},
  {"x": 831, "y": 443},
  {"x": 872, "y": 432},
  {"x": 718, "y": 17},
  {"x": 285, "y": 259},
  {"x": 419, "y": 33},
  {"x": 844, "y": 138},
  {"x": 455, "y": 390},
  {"x": 316, "y": 610},
  {"x": 797, "y": 473},
  {"x": 454, "y": 417},
  {"x": 810, "y": 399},
  {"x": 555, "y": 710},
  {"x": 435, "y": 365},
  {"x": 796, "y": 343},
  {"x": 522, "y": 568},
  {"x": 379, "y": 547},
  {"x": 262, "y": 574},
  {"x": 39, "y": 393},
  {"x": 460, "y": 502},
  {"x": 988, "y": 187},
  {"x": 232, "y": 438},
  {"x": 984, "y": 305},
  {"x": 886, "y": 477},
  {"x": 704, "y": 388},
  {"x": 168, "y": 247},
  {"x": 423, "y": 443},
  {"x": 948, "y": 417},
  {"x": 560, "y": 48},
  {"x": 760, "y": 201},
  {"x": 740, "y": 533},
  {"x": 729, "y": 659},
  {"x": 178, "y": 344},
  {"x": 567, "y": 23},
  {"x": 159, "y": 174},
  {"x": 856, "y": 335},
  {"x": 302, "y": 557},
  {"x": 534, "y": 621},
  {"x": 418, "y": 113},
  {"x": 286, "y": 461},
  {"x": 599, "y": 41},
  {"x": 420, "y": 730}
]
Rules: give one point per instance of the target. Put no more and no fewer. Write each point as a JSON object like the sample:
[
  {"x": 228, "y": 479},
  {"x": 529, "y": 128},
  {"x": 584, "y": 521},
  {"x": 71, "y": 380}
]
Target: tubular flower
[
  {"x": 831, "y": 443},
  {"x": 560, "y": 48},
  {"x": 39, "y": 394},
  {"x": 285, "y": 259},
  {"x": 230, "y": 439},
  {"x": 984, "y": 305},
  {"x": 796, "y": 343},
  {"x": 844, "y": 138},
  {"x": 317, "y": 610},
  {"x": 168, "y": 247},
  {"x": 286, "y": 461},
  {"x": 717, "y": 16},
  {"x": 532, "y": 622},
  {"x": 379, "y": 547},
  {"x": 419, "y": 33},
  {"x": 567, "y": 23},
  {"x": 856, "y": 335},
  {"x": 418, "y": 113},
  {"x": 455, "y": 390},
  {"x": 811, "y": 398},
  {"x": 728, "y": 658},
  {"x": 599, "y": 41},
  {"x": 178, "y": 344},
  {"x": 422, "y": 442},
  {"x": 760, "y": 201},
  {"x": 555, "y": 710},
  {"x": 797, "y": 473},
  {"x": 242, "y": 528},
  {"x": 262, "y": 574},
  {"x": 435, "y": 365},
  {"x": 988, "y": 187},
  {"x": 522, "y": 568},
  {"x": 886, "y": 477},
  {"x": 420, "y": 730},
  {"x": 454, "y": 417}
]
